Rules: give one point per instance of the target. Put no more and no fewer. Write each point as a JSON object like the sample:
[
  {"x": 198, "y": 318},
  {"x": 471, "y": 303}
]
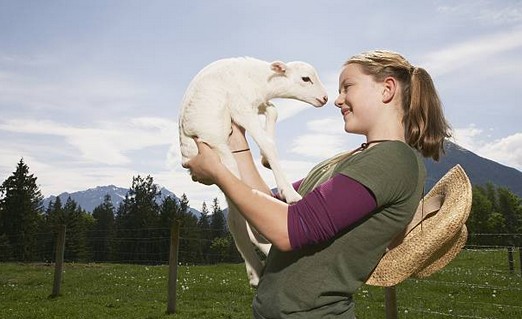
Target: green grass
[{"x": 477, "y": 284}]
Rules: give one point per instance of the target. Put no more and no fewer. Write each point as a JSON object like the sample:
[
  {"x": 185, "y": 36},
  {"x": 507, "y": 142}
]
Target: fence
[{"x": 148, "y": 253}]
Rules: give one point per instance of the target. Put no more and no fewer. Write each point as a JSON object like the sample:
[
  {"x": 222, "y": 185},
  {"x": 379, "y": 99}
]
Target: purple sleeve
[
  {"x": 329, "y": 208},
  {"x": 297, "y": 184}
]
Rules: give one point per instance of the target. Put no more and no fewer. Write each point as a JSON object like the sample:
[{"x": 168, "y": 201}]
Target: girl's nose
[{"x": 339, "y": 101}]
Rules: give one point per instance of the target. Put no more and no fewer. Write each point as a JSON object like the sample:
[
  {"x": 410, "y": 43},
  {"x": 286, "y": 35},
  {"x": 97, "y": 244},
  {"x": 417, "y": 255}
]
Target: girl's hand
[{"x": 205, "y": 166}]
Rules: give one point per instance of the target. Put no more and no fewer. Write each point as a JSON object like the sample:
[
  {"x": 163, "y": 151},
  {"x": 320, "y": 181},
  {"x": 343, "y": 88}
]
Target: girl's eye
[{"x": 306, "y": 79}]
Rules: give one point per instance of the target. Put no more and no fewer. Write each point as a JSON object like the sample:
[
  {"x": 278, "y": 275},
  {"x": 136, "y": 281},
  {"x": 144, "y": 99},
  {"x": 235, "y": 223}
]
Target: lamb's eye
[{"x": 306, "y": 79}]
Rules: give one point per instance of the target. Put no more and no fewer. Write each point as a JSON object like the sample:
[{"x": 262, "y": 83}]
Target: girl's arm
[
  {"x": 319, "y": 216},
  {"x": 267, "y": 214},
  {"x": 247, "y": 168}
]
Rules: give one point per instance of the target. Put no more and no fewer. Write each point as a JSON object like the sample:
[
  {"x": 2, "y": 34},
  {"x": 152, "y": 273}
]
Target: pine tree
[
  {"x": 481, "y": 209},
  {"x": 218, "y": 223},
  {"x": 508, "y": 205},
  {"x": 206, "y": 233},
  {"x": 78, "y": 223},
  {"x": 144, "y": 210},
  {"x": 21, "y": 212},
  {"x": 55, "y": 215},
  {"x": 136, "y": 217},
  {"x": 102, "y": 233}
]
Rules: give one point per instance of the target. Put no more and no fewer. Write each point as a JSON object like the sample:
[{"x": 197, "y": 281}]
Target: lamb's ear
[{"x": 278, "y": 67}]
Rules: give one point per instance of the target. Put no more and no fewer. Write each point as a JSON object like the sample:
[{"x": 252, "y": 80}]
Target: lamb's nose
[{"x": 325, "y": 99}]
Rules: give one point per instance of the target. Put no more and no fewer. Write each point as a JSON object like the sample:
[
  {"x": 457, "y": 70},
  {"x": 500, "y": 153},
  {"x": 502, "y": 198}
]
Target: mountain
[
  {"x": 92, "y": 197},
  {"x": 479, "y": 170}
]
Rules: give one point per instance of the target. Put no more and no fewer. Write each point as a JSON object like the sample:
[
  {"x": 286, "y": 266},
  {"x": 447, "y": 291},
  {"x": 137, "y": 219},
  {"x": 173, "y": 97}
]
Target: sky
[{"x": 90, "y": 90}]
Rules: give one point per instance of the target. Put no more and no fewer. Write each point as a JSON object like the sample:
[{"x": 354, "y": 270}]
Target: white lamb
[{"x": 238, "y": 89}]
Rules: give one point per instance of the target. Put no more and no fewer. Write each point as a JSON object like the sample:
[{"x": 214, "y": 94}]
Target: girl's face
[{"x": 359, "y": 99}]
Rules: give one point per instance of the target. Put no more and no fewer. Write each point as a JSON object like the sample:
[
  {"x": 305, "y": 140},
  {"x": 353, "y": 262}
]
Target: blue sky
[{"x": 90, "y": 90}]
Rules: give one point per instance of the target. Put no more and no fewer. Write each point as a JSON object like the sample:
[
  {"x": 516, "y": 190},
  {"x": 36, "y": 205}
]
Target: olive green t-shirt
[{"x": 318, "y": 281}]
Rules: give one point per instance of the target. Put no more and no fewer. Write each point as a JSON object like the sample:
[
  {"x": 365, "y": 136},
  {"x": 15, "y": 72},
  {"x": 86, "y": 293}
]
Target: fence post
[
  {"x": 58, "y": 266},
  {"x": 173, "y": 267},
  {"x": 510, "y": 259},
  {"x": 390, "y": 296},
  {"x": 520, "y": 259}
]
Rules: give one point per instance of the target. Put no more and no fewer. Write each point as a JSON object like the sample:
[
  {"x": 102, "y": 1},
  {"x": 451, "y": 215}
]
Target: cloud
[
  {"x": 107, "y": 142},
  {"x": 471, "y": 52},
  {"x": 506, "y": 150},
  {"x": 487, "y": 12},
  {"x": 324, "y": 137}
]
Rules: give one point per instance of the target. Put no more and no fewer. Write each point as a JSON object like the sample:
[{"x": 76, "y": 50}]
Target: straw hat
[{"x": 434, "y": 237}]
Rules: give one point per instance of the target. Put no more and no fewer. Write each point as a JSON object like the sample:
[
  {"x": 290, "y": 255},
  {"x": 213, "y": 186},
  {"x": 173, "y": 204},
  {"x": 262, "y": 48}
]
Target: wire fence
[{"x": 151, "y": 246}]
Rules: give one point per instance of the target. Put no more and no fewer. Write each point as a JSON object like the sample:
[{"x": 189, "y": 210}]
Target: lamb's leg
[
  {"x": 258, "y": 240},
  {"x": 239, "y": 228},
  {"x": 268, "y": 148},
  {"x": 270, "y": 112}
]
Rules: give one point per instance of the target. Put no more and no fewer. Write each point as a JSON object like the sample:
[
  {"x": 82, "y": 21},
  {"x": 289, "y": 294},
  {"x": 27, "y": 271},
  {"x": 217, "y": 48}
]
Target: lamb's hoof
[
  {"x": 290, "y": 197},
  {"x": 254, "y": 281}
]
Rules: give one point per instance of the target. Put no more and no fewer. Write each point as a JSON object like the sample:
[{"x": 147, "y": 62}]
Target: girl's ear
[{"x": 389, "y": 89}]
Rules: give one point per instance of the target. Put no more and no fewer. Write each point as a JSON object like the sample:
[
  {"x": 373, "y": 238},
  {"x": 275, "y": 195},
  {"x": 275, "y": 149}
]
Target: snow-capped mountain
[{"x": 92, "y": 197}]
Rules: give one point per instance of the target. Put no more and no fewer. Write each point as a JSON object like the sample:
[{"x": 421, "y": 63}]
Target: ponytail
[
  {"x": 425, "y": 127},
  {"x": 424, "y": 123}
]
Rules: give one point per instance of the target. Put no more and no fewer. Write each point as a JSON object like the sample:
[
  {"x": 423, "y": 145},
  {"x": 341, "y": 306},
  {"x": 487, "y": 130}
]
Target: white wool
[{"x": 238, "y": 89}]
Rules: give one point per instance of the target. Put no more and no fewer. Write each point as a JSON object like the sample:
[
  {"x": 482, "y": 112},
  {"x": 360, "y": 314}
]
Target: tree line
[{"x": 138, "y": 230}]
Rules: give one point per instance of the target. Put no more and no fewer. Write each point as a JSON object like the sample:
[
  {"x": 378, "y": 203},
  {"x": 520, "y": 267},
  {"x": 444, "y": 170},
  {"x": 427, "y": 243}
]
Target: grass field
[{"x": 477, "y": 284}]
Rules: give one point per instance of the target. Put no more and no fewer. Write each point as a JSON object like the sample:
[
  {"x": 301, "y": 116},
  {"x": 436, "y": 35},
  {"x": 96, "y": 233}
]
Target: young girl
[{"x": 326, "y": 245}]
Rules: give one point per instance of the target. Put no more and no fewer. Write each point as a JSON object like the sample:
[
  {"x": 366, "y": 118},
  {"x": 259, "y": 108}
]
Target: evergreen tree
[
  {"x": 169, "y": 212},
  {"x": 21, "y": 212},
  {"x": 144, "y": 210},
  {"x": 508, "y": 206},
  {"x": 189, "y": 246},
  {"x": 206, "y": 233},
  {"x": 102, "y": 233},
  {"x": 136, "y": 217},
  {"x": 218, "y": 223},
  {"x": 55, "y": 215},
  {"x": 481, "y": 209},
  {"x": 78, "y": 223},
  {"x": 494, "y": 211}
]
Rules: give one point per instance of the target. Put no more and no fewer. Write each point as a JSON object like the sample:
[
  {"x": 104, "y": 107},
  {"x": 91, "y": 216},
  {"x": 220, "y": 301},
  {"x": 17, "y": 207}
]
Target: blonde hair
[{"x": 424, "y": 123}]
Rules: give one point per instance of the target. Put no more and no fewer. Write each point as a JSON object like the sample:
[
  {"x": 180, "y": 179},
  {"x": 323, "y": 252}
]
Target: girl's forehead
[{"x": 349, "y": 71}]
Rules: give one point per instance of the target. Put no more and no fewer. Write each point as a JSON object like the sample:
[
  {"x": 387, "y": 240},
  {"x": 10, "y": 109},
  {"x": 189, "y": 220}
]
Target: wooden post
[
  {"x": 173, "y": 267},
  {"x": 390, "y": 296},
  {"x": 520, "y": 257},
  {"x": 510, "y": 259},
  {"x": 58, "y": 266}
]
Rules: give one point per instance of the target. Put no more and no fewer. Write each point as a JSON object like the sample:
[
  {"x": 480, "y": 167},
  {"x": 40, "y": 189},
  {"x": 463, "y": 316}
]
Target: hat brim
[{"x": 433, "y": 243}]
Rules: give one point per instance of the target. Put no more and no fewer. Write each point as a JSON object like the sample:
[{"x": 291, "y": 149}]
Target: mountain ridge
[
  {"x": 90, "y": 198},
  {"x": 479, "y": 170}
]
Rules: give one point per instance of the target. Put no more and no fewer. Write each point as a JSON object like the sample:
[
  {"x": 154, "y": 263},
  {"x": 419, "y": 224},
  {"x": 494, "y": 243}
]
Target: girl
[{"x": 326, "y": 245}]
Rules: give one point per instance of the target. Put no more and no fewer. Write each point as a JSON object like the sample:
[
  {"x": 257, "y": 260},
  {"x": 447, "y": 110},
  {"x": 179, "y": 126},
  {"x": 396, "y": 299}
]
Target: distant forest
[{"x": 138, "y": 230}]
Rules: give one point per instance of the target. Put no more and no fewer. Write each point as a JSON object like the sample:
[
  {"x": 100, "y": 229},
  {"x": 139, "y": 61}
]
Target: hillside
[{"x": 479, "y": 170}]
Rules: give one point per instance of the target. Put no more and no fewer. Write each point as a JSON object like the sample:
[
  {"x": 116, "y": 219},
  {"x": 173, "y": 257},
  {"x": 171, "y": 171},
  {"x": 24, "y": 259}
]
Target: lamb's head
[{"x": 298, "y": 80}]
